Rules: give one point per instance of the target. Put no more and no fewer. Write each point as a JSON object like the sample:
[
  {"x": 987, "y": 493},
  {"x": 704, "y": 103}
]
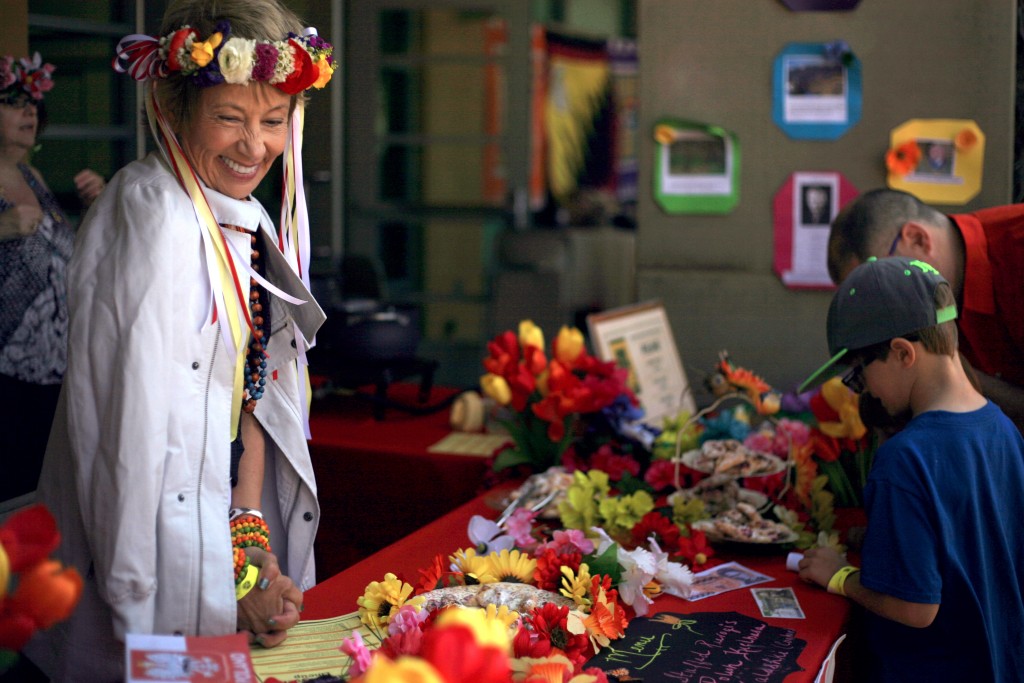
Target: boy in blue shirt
[{"x": 942, "y": 573}]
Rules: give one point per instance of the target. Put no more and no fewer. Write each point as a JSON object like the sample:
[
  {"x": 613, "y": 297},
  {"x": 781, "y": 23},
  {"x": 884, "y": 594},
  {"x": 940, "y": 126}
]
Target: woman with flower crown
[
  {"x": 178, "y": 466},
  {"x": 35, "y": 245}
]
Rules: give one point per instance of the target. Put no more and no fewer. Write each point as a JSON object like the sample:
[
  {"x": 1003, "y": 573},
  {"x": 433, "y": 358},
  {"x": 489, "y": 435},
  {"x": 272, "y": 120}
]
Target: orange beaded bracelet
[{"x": 249, "y": 530}]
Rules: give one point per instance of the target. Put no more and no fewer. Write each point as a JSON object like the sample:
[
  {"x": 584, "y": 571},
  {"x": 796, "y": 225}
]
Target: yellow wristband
[
  {"x": 248, "y": 581},
  {"x": 838, "y": 581}
]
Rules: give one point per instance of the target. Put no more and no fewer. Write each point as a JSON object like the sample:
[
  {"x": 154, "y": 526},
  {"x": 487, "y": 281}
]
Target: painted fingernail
[
  {"x": 272, "y": 622},
  {"x": 302, "y": 607},
  {"x": 263, "y": 584}
]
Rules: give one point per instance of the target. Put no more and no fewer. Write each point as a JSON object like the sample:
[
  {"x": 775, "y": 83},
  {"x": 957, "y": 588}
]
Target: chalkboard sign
[{"x": 700, "y": 648}]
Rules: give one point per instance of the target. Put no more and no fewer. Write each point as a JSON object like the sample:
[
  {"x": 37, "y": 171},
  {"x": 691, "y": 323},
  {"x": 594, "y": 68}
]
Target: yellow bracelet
[
  {"x": 837, "y": 583},
  {"x": 248, "y": 581}
]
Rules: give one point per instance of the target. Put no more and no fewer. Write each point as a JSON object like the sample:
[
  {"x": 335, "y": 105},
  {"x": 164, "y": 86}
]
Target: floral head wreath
[
  {"x": 24, "y": 78},
  {"x": 292, "y": 65}
]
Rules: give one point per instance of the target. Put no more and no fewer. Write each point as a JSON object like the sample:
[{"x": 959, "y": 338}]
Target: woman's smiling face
[{"x": 236, "y": 134}]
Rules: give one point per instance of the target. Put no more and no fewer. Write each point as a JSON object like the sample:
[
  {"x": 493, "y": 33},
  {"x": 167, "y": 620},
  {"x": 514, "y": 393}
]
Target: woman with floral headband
[
  {"x": 35, "y": 245},
  {"x": 178, "y": 465}
]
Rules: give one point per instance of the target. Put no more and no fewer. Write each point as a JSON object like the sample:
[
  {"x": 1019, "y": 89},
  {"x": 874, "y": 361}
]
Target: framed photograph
[{"x": 639, "y": 339}]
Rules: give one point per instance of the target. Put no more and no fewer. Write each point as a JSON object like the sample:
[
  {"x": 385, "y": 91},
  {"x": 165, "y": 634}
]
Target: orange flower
[
  {"x": 806, "y": 471},
  {"x": 965, "y": 140},
  {"x": 326, "y": 71},
  {"x": 47, "y": 593},
  {"x": 903, "y": 159}
]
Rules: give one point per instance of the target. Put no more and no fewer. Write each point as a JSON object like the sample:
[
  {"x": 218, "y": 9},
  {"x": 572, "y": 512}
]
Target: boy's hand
[{"x": 819, "y": 564}]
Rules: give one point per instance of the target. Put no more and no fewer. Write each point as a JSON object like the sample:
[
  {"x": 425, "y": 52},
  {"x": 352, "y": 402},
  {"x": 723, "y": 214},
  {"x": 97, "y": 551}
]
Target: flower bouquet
[
  {"x": 548, "y": 403},
  {"x": 579, "y": 591},
  {"x": 35, "y": 591}
]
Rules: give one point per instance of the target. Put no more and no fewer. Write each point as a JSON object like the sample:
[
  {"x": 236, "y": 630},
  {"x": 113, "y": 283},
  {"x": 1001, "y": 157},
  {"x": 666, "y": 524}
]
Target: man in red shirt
[{"x": 981, "y": 254}]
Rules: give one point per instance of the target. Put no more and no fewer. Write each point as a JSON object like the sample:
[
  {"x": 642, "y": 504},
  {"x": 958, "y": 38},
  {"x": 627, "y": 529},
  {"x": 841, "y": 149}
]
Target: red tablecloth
[
  {"x": 826, "y": 614},
  {"x": 376, "y": 481}
]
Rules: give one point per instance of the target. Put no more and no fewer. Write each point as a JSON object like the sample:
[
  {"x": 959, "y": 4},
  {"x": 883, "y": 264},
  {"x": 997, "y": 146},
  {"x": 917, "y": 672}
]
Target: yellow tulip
[
  {"x": 568, "y": 344},
  {"x": 530, "y": 335},
  {"x": 202, "y": 52},
  {"x": 497, "y": 388},
  {"x": 844, "y": 402}
]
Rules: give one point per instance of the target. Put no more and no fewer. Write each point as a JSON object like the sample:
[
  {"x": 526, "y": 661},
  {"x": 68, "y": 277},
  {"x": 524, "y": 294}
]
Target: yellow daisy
[
  {"x": 576, "y": 586},
  {"x": 475, "y": 568},
  {"x": 382, "y": 599},
  {"x": 512, "y": 566}
]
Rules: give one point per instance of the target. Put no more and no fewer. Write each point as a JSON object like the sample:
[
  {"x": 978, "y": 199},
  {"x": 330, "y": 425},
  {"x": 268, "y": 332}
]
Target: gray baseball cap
[{"x": 880, "y": 300}]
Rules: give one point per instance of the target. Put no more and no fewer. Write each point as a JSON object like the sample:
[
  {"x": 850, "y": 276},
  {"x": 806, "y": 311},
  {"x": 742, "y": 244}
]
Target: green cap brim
[{"x": 820, "y": 371}]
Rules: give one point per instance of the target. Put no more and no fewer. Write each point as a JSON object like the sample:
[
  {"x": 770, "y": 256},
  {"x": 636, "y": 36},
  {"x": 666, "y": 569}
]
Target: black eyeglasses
[{"x": 853, "y": 379}]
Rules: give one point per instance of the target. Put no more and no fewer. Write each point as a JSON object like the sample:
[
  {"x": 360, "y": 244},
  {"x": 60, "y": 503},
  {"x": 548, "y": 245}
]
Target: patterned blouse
[{"x": 33, "y": 294}]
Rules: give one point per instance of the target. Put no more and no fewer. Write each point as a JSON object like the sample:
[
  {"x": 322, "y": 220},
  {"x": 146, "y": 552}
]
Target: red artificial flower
[
  {"x": 661, "y": 475},
  {"x": 664, "y": 530},
  {"x": 454, "y": 652},
  {"x": 437, "y": 575},
  {"x": 548, "y": 574},
  {"x": 606, "y": 460},
  {"x": 303, "y": 75},
  {"x": 504, "y": 354},
  {"x": 28, "y": 537},
  {"x": 549, "y": 623},
  {"x": 695, "y": 549}
]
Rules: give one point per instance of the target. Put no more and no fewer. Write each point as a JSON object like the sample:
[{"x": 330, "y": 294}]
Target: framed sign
[
  {"x": 696, "y": 168},
  {"x": 639, "y": 339},
  {"x": 939, "y": 161}
]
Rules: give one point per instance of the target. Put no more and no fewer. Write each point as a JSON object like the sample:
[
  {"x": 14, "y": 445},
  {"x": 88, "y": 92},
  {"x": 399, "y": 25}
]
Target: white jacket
[{"x": 137, "y": 469}]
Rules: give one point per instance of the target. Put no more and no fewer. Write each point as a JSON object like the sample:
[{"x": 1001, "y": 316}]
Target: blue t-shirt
[{"x": 945, "y": 506}]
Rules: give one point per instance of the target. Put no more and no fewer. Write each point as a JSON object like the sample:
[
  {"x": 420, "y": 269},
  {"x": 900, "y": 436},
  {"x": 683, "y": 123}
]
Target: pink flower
[
  {"x": 520, "y": 527},
  {"x": 355, "y": 648},
  {"x": 568, "y": 541}
]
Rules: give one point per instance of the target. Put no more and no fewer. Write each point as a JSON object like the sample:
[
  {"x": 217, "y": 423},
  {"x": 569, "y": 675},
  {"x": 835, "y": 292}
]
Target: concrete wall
[{"x": 711, "y": 61}]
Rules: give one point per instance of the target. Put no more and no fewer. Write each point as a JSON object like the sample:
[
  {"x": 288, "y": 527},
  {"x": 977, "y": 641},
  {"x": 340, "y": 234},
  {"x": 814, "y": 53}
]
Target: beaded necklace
[
  {"x": 256, "y": 359},
  {"x": 255, "y": 376}
]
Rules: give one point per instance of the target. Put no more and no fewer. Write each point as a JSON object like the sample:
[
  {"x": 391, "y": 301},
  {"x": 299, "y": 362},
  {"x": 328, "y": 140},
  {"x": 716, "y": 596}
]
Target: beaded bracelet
[
  {"x": 248, "y": 531},
  {"x": 241, "y": 562}
]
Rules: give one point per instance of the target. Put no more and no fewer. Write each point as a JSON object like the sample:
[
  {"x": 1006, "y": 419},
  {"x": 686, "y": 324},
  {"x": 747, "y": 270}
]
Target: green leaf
[
  {"x": 606, "y": 563},
  {"x": 510, "y": 457}
]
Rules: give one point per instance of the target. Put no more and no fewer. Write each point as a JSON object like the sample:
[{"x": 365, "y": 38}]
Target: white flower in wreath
[{"x": 235, "y": 60}]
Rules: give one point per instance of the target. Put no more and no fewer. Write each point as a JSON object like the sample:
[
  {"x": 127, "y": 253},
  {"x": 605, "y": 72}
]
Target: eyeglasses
[{"x": 853, "y": 379}]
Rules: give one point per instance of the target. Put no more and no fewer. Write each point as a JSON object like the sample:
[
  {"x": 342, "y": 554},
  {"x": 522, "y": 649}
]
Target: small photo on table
[{"x": 778, "y": 603}]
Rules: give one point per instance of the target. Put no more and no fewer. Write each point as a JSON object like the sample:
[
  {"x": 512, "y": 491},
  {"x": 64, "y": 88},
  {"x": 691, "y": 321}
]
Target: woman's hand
[
  {"x": 20, "y": 221},
  {"x": 89, "y": 184},
  {"x": 272, "y": 607}
]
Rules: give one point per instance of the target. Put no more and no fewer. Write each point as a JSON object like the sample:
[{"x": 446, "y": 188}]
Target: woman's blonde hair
[{"x": 253, "y": 19}]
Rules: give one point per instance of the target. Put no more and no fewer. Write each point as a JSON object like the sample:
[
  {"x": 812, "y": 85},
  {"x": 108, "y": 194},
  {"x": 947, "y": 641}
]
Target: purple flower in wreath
[{"x": 266, "y": 61}]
